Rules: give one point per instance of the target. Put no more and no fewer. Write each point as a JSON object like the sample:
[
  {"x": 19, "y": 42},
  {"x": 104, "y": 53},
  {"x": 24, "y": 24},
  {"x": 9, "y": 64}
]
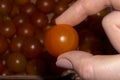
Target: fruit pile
[{"x": 23, "y": 24}]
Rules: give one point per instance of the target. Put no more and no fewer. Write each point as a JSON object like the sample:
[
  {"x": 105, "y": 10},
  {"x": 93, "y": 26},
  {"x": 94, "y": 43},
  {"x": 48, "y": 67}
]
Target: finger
[
  {"x": 66, "y": 61},
  {"x": 111, "y": 25},
  {"x": 77, "y": 60},
  {"x": 80, "y": 10},
  {"x": 92, "y": 67}
]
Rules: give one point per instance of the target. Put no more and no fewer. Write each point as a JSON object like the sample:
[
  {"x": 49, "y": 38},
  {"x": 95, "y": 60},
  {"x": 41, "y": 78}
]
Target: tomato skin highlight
[{"x": 61, "y": 38}]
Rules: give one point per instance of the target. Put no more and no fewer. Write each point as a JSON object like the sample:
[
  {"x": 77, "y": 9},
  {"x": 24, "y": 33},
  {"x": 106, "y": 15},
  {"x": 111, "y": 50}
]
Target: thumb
[
  {"x": 89, "y": 67},
  {"x": 71, "y": 59},
  {"x": 76, "y": 60}
]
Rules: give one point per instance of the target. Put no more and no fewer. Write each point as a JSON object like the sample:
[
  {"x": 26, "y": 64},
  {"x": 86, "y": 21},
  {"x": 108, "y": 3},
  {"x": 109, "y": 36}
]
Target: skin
[{"x": 91, "y": 67}]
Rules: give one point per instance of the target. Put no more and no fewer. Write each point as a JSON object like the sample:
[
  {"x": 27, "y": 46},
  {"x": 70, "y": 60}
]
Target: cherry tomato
[
  {"x": 61, "y": 38},
  {"x": 16, "y": 43},
  {"x": 16, "y": 62},
  {"x": 20, "y": 19},
  {"x": 5, "y": 6},
  {"x": 31, "y": 47},
  {"x": 45, "y": 6},
  {"x": 28, "y": 8},
  {"x": 60, "y": 8},
  {"x": 26, "y": 30},
  {"x": 39, "y": 19},
  {"x": 8, "y": 29}
]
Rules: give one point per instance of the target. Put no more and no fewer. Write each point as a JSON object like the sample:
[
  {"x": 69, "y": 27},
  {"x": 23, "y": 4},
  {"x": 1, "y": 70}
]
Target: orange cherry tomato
[{"x": 61, "y": 38}]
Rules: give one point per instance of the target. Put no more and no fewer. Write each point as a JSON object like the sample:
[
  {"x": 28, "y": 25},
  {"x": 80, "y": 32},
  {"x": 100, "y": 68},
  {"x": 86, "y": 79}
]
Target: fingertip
[
  {"x": 73, "y": 15},
  {"x": 71, "y": 58},
  {"x": 65, "y": 63}
]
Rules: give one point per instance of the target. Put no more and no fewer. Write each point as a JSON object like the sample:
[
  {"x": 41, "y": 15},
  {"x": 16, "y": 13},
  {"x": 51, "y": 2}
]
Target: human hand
[{"x": 91, "y": 67}]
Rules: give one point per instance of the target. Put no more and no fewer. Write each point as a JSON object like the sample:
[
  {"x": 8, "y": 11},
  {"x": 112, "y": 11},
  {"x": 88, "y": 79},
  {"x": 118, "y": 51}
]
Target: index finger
[{"x": 80, "y": 10}]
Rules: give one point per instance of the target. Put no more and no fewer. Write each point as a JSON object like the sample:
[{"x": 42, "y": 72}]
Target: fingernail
[{"x": 64, "y": 63}]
